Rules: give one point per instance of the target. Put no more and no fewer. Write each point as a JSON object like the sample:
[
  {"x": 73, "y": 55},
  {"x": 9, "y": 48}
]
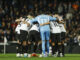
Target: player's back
[
  {"x": 24, "y": 26},
  {"x": 34, "y": 27},
  {"x": 43, "y": 19},
  {"x": 62, "y": 28},
  {"x": 55, "y": 27}
]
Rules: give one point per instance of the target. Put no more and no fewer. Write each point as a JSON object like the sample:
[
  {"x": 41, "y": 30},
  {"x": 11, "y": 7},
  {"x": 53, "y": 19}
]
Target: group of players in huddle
[{"x": 29, "y": 34}]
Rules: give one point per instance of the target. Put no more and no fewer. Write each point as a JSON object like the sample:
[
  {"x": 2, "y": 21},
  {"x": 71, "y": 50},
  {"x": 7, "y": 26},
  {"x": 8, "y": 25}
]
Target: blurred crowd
[{"x": 12, "y": 9}]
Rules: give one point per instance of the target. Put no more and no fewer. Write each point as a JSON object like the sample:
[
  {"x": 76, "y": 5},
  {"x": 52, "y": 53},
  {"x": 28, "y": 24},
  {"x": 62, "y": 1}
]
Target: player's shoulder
[{"x": 42, "y": 15}]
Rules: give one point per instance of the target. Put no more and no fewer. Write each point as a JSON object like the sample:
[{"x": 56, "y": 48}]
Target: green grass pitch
[{"x": 13, "y": 57}]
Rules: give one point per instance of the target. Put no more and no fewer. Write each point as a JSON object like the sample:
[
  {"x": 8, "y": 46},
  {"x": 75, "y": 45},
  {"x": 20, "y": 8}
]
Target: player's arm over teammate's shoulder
[
  {"x": 45, "y": 24},
  {"x": 32, "y": 21},
  {"x": 52, "y": 18}
]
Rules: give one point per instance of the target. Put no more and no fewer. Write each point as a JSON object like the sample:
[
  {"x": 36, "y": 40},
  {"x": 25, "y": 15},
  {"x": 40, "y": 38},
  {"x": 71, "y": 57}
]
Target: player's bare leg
[{"x": 25, "y": 48}]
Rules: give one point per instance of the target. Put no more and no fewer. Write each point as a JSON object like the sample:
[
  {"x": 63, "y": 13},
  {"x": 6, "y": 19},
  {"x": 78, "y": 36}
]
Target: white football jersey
[
  {"x": 24, "y": 26},
  {"x": 62, "y": 25},
  {"x": 18, "y": 29},
  {"x": 55, "y": 27},
  {"x": 34, "y": 27},
  {"x": 62, "y": 28}
]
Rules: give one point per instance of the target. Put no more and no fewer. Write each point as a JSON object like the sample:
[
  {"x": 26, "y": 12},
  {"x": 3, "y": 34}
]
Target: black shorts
[
  {"x": 56, "y": 37},
  {"x": 62, "y": 36},
  {"x": 17, "y": 36},
  {"x": 34, "y": 36},
  {"x": 23, "y": 35}
]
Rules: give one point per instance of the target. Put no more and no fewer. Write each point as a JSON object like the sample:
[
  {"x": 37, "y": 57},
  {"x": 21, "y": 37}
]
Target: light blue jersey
[{"x": 41, "y": 19}]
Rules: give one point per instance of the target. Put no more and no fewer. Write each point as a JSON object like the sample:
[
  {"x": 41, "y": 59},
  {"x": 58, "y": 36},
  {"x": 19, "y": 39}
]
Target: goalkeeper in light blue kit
[{"x": 44, "y": 21}]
